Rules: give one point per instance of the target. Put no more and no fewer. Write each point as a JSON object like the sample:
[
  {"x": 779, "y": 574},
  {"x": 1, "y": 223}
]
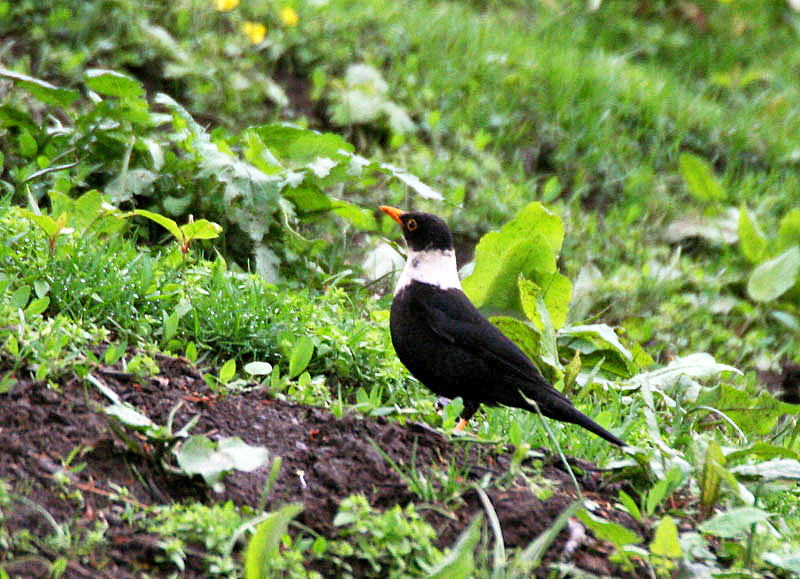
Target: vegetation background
[{"x": 200, "y": 178}]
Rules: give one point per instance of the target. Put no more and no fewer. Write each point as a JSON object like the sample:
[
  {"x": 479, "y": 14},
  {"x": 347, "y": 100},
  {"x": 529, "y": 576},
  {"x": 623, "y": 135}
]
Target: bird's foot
[{"x": 459, "y": 428}]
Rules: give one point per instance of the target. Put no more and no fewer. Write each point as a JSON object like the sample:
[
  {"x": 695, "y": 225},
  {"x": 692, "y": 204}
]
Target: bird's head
[{"x": 422, "y": 231}]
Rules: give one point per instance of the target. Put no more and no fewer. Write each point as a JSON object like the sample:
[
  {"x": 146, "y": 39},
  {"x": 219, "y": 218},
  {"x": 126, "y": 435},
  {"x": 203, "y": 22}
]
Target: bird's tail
[
  {"x": 579, "y": 418},
  {"x": 558, "y": 407}
]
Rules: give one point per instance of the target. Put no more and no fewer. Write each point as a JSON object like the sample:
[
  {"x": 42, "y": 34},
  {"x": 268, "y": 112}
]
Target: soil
[{"x": 324, "y": 460}]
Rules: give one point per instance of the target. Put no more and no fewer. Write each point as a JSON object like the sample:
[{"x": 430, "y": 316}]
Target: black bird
[{"x": 449, "y": 346}]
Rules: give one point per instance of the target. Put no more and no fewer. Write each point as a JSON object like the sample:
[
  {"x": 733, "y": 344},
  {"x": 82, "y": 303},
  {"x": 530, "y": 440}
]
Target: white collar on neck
[{"x": 434, "y": 266}]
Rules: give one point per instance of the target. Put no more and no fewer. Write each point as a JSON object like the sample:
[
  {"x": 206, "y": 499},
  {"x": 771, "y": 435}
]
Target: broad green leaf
[
  {"x": 256, "y": 152},
  {"x": 665, "y": 542},
  {"x": 191, "y": 352},
  {"x": 460, "y": 561},
  {"x": 754, "y": 412},
  {"x": 12, "y": 345},
  {"x": 86, "y": 209},
  {"x": 551, "y": 190},
  {"x": 200, "y": 455},
  {"x": 165, "y": 222},
  {"x": 601, "y": 336},
  {"x": 264, "y": 544},
  {"x": 308, "y": 199},
  {"x": 763, "y": 450},
  {"x": 228, "y": 371},
  {"x": 301, "y": 146},
  {"x": 598, "y": 342},
  {"x": 20, "y": 297},
  {"x": 775, "y": 469},
  {"x": 27, "y": 144},
  {"x": 710, "y": 480},
  {"x": 556, "y": 293},
  {"x": 113, "y": 353},
  {"x": 527, "y": 245},
  {"x": 739, "y": 490},
  {"x": 608, "y": 530},
  {"x": 789, "y": 562},
  {"x": 572, "y": 370},
  {"x": 201, "y": 229},
  {"x": 171, "y": 326},
  {"x": 359, "y": 217},
  {"x": 129, "y": 416},
  {"x": 523, "y": 334},
  {"x": 751, "y": 241},
  {"x": 662, "y": 489},
  {"x": 41, "y": 90},
  {"x": 774, "y": 277},
  {"x": 113, "y": 83},
  {"x": 300, "y": 356},
  {"x": 789, "y": 230},
  {"x": 13, "y": 117},
  {"x": 630, "y": 505},
  {"x": 548, "y": 343},
  {"x": 258, "y": 368},
  {"x": 243, "y": 456},
  {"x": 699, "y": 365},
  {"x": 50, "y": 226},
  {"x": 37, "y": 306},
  {"x": 734, "y": 522},
  {"x": 700, "y": 179}
]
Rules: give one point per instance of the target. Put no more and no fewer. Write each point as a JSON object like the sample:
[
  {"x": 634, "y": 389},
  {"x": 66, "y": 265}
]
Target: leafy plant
[
  {"x": 432, "y": 486},
  {"x": 776, "y": 259},
  {"x": 209, "y": 525},
  {"x": 527, "y": 246},
  {"x": 185, "y": 234},
  {"x": 362, "y": 98},
  {"x": 262, "y": 548},
  {"x": 212, "y": 460},
  {"x": 397, "y": 541}
]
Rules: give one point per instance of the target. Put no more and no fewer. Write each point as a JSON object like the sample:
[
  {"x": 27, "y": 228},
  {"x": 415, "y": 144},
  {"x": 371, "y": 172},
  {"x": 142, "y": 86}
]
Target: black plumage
[{"x": 449, "y": 346}]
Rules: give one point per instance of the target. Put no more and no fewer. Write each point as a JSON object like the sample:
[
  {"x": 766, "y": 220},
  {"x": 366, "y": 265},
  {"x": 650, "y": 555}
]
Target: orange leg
[{"x": 462, "y": 424}]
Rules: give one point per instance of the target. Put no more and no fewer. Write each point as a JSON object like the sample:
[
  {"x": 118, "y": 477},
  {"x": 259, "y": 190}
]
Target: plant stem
[{"x": 558, "y": 448}]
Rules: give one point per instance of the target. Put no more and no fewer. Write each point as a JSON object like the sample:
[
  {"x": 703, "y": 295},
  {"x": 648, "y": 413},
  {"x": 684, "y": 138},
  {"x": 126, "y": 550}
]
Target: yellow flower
[
  {"x": 225, "y": 5},
  {"x": 289, "y": 16},
  {"x": 255, "y": 31}
]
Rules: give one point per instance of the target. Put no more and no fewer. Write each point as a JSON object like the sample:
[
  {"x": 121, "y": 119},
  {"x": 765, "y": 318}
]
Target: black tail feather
[{"x": 554, "y": 405}]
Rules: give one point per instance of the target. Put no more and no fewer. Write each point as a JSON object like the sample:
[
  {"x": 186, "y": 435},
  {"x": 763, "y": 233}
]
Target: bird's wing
[{"x": 452, "y": 317}]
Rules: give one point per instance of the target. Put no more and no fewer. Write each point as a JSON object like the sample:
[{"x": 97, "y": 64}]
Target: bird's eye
[{"x": 411, "y": 224}]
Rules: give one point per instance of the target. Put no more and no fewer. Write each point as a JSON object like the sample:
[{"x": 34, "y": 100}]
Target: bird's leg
[{"x": 470, "y": 408}]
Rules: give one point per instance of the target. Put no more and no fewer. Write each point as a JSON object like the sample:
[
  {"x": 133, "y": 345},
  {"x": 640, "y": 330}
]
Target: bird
[{"x": 450, "y": 346}]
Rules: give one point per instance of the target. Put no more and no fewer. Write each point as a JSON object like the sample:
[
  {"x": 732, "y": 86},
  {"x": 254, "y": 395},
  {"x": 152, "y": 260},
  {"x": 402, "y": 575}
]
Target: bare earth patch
[{"x": 325, "y": 459}]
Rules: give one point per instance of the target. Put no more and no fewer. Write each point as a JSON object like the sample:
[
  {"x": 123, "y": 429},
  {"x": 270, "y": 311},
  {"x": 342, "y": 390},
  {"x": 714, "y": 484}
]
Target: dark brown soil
[{"x": 325, "y": 459}]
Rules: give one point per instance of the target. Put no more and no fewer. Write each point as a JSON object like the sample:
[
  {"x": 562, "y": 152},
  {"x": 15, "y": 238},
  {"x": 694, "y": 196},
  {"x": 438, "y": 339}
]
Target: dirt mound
[{"x": 325, "y": 459}]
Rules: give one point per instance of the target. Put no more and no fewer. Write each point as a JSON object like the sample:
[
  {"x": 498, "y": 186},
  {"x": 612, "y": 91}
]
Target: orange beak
[{"x": 393, "y": 212}]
